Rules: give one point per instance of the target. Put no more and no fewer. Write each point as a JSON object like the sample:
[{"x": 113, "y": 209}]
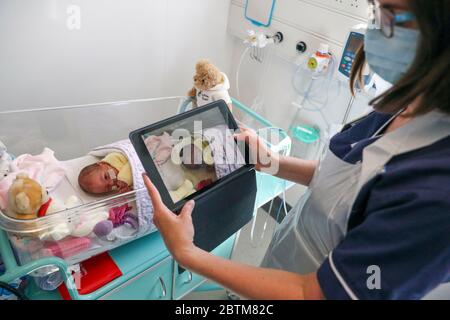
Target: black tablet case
[{"x": 224, "y": 210}]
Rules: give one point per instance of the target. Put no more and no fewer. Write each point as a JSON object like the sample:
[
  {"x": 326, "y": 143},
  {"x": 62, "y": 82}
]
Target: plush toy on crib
[
  {"x": 112, "y": 173},
  {"x": 210, "y": 84},
  {"x": 27, "y": 199}
]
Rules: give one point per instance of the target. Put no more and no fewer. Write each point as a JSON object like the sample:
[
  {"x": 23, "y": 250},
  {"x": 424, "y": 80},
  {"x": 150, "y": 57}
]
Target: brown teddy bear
[
  {"x": 210, "y": 84},
  {"x": 25, "y": 198}
]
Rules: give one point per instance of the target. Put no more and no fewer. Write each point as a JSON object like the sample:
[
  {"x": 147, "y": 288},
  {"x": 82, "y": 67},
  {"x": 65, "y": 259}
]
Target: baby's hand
[{"x": 123, "y": 187}]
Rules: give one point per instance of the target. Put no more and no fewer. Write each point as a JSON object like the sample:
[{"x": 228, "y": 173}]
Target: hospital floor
[{"x": 246, "y": 251}]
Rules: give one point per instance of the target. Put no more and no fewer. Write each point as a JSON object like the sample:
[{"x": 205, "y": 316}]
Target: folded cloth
[
  {"x": 143, "y": 202},
  {"x": 44, "y": 168},
  {"x": 227, "y": 156}
]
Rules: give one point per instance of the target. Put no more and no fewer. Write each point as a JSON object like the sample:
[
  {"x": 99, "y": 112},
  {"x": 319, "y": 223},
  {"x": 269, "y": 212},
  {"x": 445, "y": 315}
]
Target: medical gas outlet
[
  {"x": 319, "y": 62},
  {"x": 260, "y": 40},
  {"x": 257, "y": 41}
]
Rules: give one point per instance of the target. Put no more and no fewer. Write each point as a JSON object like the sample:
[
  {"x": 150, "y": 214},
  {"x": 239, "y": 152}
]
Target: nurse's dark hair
[{"x": 429, "y": 76}]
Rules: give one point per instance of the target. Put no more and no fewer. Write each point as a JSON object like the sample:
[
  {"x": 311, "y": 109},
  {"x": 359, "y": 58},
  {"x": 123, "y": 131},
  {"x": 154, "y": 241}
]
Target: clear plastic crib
[{"x": 72, "y": 132}]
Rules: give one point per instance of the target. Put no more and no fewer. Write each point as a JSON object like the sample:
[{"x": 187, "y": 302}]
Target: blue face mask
[{"x": 391, "y": 58}]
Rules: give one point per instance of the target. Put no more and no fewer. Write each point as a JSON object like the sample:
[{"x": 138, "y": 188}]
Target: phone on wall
[{"x": 260, "y": 12}]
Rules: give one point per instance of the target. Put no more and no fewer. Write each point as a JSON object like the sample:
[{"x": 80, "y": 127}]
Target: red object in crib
[
  {"x": 203, "y": 184},
  {"x": 43, "y": 209},
  {"x": 95, "y": 273}
]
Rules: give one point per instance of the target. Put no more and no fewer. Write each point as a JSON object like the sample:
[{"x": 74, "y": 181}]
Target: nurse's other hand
[
  {"x": 176, "y": 230},
  {"x": 264, "y": 159}
]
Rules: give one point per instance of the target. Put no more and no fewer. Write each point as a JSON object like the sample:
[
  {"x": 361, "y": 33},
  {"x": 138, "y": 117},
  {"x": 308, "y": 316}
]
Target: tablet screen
[{"x": 193, "y": 153}]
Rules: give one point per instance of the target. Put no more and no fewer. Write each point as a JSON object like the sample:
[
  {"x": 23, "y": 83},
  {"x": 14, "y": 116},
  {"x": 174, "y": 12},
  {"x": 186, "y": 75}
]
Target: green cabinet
[
  {"x": 154, "y": 283},
  {"x": 185, "y": 282}
]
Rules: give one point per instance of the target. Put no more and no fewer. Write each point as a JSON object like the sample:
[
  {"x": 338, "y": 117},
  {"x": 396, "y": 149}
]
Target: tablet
[{"x": 191, "y": 153}]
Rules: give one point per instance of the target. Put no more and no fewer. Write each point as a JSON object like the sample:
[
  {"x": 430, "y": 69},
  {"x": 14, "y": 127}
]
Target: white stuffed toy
[
  {"x": 210, "y": 84},
  {"x": 57, "y": 206},
  {"x": 63, "y": 229},
  {"x": 5, "y": 161},
  {"x": 81, "y": 225}
]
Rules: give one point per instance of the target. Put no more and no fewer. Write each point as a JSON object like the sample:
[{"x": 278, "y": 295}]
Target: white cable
[
  {"x": 284, "y": 194},
  {"x": 252, "y": 231},
  {"x": 238, "y": 70},
  {"x": 283, "y": 153},
  {"x": 260, "y": 56},
  {"x": 267, "y": 65},
  {"x": 307, "y": 93}
]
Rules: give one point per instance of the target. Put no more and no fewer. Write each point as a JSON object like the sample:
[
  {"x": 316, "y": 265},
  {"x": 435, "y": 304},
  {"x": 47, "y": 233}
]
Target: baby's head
[{"x": 98, "y": 178}]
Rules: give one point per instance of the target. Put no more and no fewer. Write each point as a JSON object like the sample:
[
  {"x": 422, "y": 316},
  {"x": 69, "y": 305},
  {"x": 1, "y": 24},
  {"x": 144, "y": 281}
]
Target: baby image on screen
[{"x": 189, "y": 160}]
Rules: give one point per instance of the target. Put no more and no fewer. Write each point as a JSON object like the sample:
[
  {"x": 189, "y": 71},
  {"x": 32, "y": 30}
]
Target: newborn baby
[{"x": 112, "y": 173}]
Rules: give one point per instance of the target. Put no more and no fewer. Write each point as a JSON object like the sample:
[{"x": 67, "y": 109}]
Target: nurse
[{"x": 375, "y": 222}]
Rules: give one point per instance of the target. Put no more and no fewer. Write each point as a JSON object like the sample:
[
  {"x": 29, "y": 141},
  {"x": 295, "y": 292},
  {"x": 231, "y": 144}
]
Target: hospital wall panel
[
  {"x": 311, "y": 21},
  {"x": 267, "y": 86}
]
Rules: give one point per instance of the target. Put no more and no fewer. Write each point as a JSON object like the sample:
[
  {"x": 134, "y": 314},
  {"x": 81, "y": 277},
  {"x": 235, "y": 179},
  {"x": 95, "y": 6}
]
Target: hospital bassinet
[{"x": 72, "y": 132}]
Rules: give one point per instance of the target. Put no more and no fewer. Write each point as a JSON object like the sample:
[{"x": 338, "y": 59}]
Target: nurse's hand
[
  {"x": 176, "y": 230},
  {"x": 265, "y": 160}
]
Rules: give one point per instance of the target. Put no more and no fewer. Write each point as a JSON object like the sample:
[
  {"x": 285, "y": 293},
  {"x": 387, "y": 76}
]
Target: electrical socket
[
  {"x": 352, "y": 6},
  {"x": 355, "y": 3}
]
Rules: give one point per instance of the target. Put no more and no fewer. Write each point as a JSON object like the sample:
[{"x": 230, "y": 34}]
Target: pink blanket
[{"x": 44, "y": 168}]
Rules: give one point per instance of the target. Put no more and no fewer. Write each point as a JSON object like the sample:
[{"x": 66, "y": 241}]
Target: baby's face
[{"x": 99, "y": 180}]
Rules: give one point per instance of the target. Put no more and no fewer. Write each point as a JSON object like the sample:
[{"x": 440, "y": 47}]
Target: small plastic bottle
[
  {"x": 49, "y": 282},
  {"x": 305, "y": 142}
]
